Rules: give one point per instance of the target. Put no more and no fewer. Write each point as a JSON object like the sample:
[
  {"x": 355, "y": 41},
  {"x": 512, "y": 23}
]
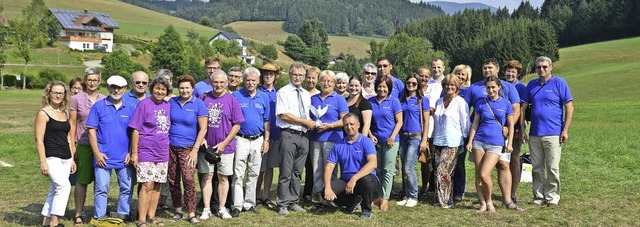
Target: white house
[
  {"x": 85, "y": 30},
  {"x": 230, "y": 36}
]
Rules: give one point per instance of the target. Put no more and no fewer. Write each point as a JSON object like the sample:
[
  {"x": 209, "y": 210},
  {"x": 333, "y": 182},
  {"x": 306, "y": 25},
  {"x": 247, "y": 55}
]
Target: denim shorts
[{"x": 488, "y": 148}]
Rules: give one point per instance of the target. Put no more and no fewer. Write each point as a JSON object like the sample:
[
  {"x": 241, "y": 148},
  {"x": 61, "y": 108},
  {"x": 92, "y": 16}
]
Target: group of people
[{"x": 359, "y": 123}]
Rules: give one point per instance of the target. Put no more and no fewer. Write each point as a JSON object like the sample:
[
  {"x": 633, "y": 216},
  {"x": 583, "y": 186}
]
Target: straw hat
[{"x": 269, "y": 66}]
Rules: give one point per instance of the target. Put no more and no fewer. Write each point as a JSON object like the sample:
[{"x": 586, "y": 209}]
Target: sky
[{"x": 511, "y": 4}]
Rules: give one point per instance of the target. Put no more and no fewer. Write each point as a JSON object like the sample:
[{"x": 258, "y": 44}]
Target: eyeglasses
[
  {"x": 412, "y": 83},
  {"x": 370, "y": 73},
  {"x": 56, "y": 93},
  {"x": 542, "y": 67},
  {"x": 142, "y": 82},
  {"x": 298, "y": 75},
  {"x": 93, "y": 81},
  {"x": 383, "y": 66}
]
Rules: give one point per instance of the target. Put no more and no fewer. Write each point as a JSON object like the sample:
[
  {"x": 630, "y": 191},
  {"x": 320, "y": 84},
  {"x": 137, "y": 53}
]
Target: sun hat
[
  {"x": 117, "y": 80},
  {"x": 269, "y": 66}
]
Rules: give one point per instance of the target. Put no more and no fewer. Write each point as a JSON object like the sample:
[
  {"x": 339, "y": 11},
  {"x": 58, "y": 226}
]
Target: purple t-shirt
[
  {"x": 224, "y": 112},
  {"x": 82, "y": 104},
  {"x": 152, "y": 122}
]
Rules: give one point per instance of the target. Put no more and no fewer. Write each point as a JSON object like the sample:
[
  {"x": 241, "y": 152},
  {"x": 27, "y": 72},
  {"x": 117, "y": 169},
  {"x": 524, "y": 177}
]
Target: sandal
[
  {"x": 513, "y": 206},
  {"x": 140, "y": 224},
  {"x": 177, "y": 216},
  {"x": 155, "y": 221},
  {"x": 78, "y": 223},
  {"x": 193, "y": 220}
]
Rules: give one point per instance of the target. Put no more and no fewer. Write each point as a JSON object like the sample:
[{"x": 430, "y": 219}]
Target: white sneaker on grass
[
  {"x": 206, "y": 214},
  {"x": 224, "y": 213},
  {"x": 411, "y": 203},
  {"x": 402, "y": 202}
]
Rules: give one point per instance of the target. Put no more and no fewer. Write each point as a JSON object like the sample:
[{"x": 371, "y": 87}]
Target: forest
[{"x": 361, "y": 17}]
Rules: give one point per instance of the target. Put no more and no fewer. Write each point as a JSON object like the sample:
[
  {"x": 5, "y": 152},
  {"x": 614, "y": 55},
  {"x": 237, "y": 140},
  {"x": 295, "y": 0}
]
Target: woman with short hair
[
  {"x": 76, "y": 85},
  {"x": 78, "y": 114},
  {"x": 512, "y": 72},
  {"x": 342, "y": 84},
  {"x": 369, "y": 75},
  {"x": 451, "y": 126},
  {"x": 385, "y": 126},
  {"x": 54, "y": 143},
  {"x": 150, "y": 148},
  {"x": 186, "y": 135}
]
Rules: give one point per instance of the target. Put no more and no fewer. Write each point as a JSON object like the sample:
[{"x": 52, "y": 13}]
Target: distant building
[
  {"x": 85, "y": 30},
  {"x": 230, "y": 36}
]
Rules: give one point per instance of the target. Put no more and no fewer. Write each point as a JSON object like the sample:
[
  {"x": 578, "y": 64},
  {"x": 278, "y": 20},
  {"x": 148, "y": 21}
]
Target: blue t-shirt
[
  {"x": 477, "y": 92},
  {"x": 274, "y": 130},
  {"x": 336, "y": 105},
  {"x": 397, "y": 87},
  {"x": 411, "y": 114},
  {"x": 489, "y": 131},
  {"x": 255, "y": 109},
  {"x": 112, "y": 131},
  {"x": 352, "y": 156},
  {"x": 383, "y": 118},
  {"x": 131, "y": 98},
  {"x": 464, "y": 92},
  {"x": 200, "y": 88},
  {"x": 184, "y": 121},
  {"x": 548, "y": 105}
]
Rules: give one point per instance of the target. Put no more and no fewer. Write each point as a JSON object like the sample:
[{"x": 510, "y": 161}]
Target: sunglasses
[
  {"x": 542, "y": 67},
  {"x": 142, "y": 82},
  {"x": 383, "y": 66},
  {"x": 369, "y": 73},
  {"x": 412, "y": 83}
]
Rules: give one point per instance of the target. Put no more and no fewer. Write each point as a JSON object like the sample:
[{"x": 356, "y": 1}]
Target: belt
[
  {"x": 411, "y": 134},
  {"x": 293, "y": 131},
  {"x": 250, "y": 137}
]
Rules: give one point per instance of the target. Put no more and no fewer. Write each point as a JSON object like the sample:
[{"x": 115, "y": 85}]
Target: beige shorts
[{"x": 225, "y": 166}]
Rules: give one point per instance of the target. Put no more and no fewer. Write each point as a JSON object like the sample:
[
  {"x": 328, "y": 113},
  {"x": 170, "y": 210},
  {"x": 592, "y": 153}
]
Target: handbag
[
  {"x": 210, "y": 154},
  {"x": 527, "y": 111},
  {"x": 424, "y": 156}
]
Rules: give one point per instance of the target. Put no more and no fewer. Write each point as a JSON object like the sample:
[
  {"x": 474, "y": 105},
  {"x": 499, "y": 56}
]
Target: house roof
[
  {"x": 229, "y": 35},
  {"x": 84, "y": 21}
]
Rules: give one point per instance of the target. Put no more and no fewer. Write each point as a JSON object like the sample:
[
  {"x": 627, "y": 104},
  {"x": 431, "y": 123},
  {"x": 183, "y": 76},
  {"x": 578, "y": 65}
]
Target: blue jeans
[
  {"x": 103, "y": 178},
  {"x": 409, "y": 148}
]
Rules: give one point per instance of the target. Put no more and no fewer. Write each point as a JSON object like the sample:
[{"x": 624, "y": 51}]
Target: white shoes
[
  {"x": 224, "y": 213},
  {"x": 206, "y": 214},
  {"x": 407, "y": 202},
  {"x": 411, "y": 203}
]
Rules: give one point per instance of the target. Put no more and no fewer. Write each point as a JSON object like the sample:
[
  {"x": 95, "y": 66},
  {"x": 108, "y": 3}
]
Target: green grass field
[
  {"x": 600, "y": 168},
  {"x": 133, "y": 20}
]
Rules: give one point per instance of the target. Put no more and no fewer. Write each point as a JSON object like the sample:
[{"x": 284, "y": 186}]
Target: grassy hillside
[
  {"x": 600, "y": 168},
  {"x": 271, "y": 32},
  {"x": 133, "y": 20}
]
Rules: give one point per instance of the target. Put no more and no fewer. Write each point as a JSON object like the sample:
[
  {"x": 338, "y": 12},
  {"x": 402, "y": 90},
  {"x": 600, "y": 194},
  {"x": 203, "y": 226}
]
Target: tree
[
  {"x": 38, "y": 13},
  {"x": 169, "y": 52},
  {"x": 296, "y": 48},
  {"x": 206, "y": 21},
  {"x": 525, "y": 10},
  {"x": 313, "y": 34},
  {"x": 407, "y": 53},
  {"x": 269, "y": 51},
  {"x": 119, "y": 62},
  {"x": 232, "y": 49},
  {"x": 25, "y": 36},
  {"x": 3, "y": 54}
]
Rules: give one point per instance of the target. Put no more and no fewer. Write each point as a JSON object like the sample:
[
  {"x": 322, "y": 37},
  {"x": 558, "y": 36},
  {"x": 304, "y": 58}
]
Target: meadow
[{"x": 600, "y": 168}]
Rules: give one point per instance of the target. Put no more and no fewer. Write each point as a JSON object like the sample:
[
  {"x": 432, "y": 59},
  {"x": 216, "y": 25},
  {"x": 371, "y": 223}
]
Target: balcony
[{"x": 80, "y": 39}]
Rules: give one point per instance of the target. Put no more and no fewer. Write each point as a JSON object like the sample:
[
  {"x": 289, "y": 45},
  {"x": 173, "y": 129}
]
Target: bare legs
[
  {"x": 207, "y": 189},
  {"x": 265, "y": 180},
  {"x": 79, "y": 195},
  {"x": 148, "y": 197}
]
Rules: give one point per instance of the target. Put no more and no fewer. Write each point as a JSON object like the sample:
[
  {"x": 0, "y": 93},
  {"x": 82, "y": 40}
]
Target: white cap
[{"x": 117, "y": 80}]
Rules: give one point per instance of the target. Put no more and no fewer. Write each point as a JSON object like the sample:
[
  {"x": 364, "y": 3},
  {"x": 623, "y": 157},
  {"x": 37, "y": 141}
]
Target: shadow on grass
[{"x": 28, "y": 215}]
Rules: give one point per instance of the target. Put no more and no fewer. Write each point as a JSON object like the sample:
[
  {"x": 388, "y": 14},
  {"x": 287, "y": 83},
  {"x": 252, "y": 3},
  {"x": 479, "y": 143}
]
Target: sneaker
[
  {"x": 224, "y": 213},
  {"x": 235, "y": 212},
  {"x": 297, "y": 208},
  {"x": 537, "y": 202},
  {"x": 206, "y": 214},
  {"x": 283, "y": 211},
  {"x": 402, "y": 202},
  {"x": 252, "y": 210},
  {"x": 366, "y": 214},
  {"x": 353, "y": 207},
  {"x": 411, "y": 203}
]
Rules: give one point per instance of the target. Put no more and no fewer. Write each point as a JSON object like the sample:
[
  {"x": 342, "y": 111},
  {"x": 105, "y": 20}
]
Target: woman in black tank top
[{"x": 54, "y": 143}]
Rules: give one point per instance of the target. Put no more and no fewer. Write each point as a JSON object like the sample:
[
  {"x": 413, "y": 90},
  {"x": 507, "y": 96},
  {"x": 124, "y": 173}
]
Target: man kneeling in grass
[{"x": 356, "y": 155}]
